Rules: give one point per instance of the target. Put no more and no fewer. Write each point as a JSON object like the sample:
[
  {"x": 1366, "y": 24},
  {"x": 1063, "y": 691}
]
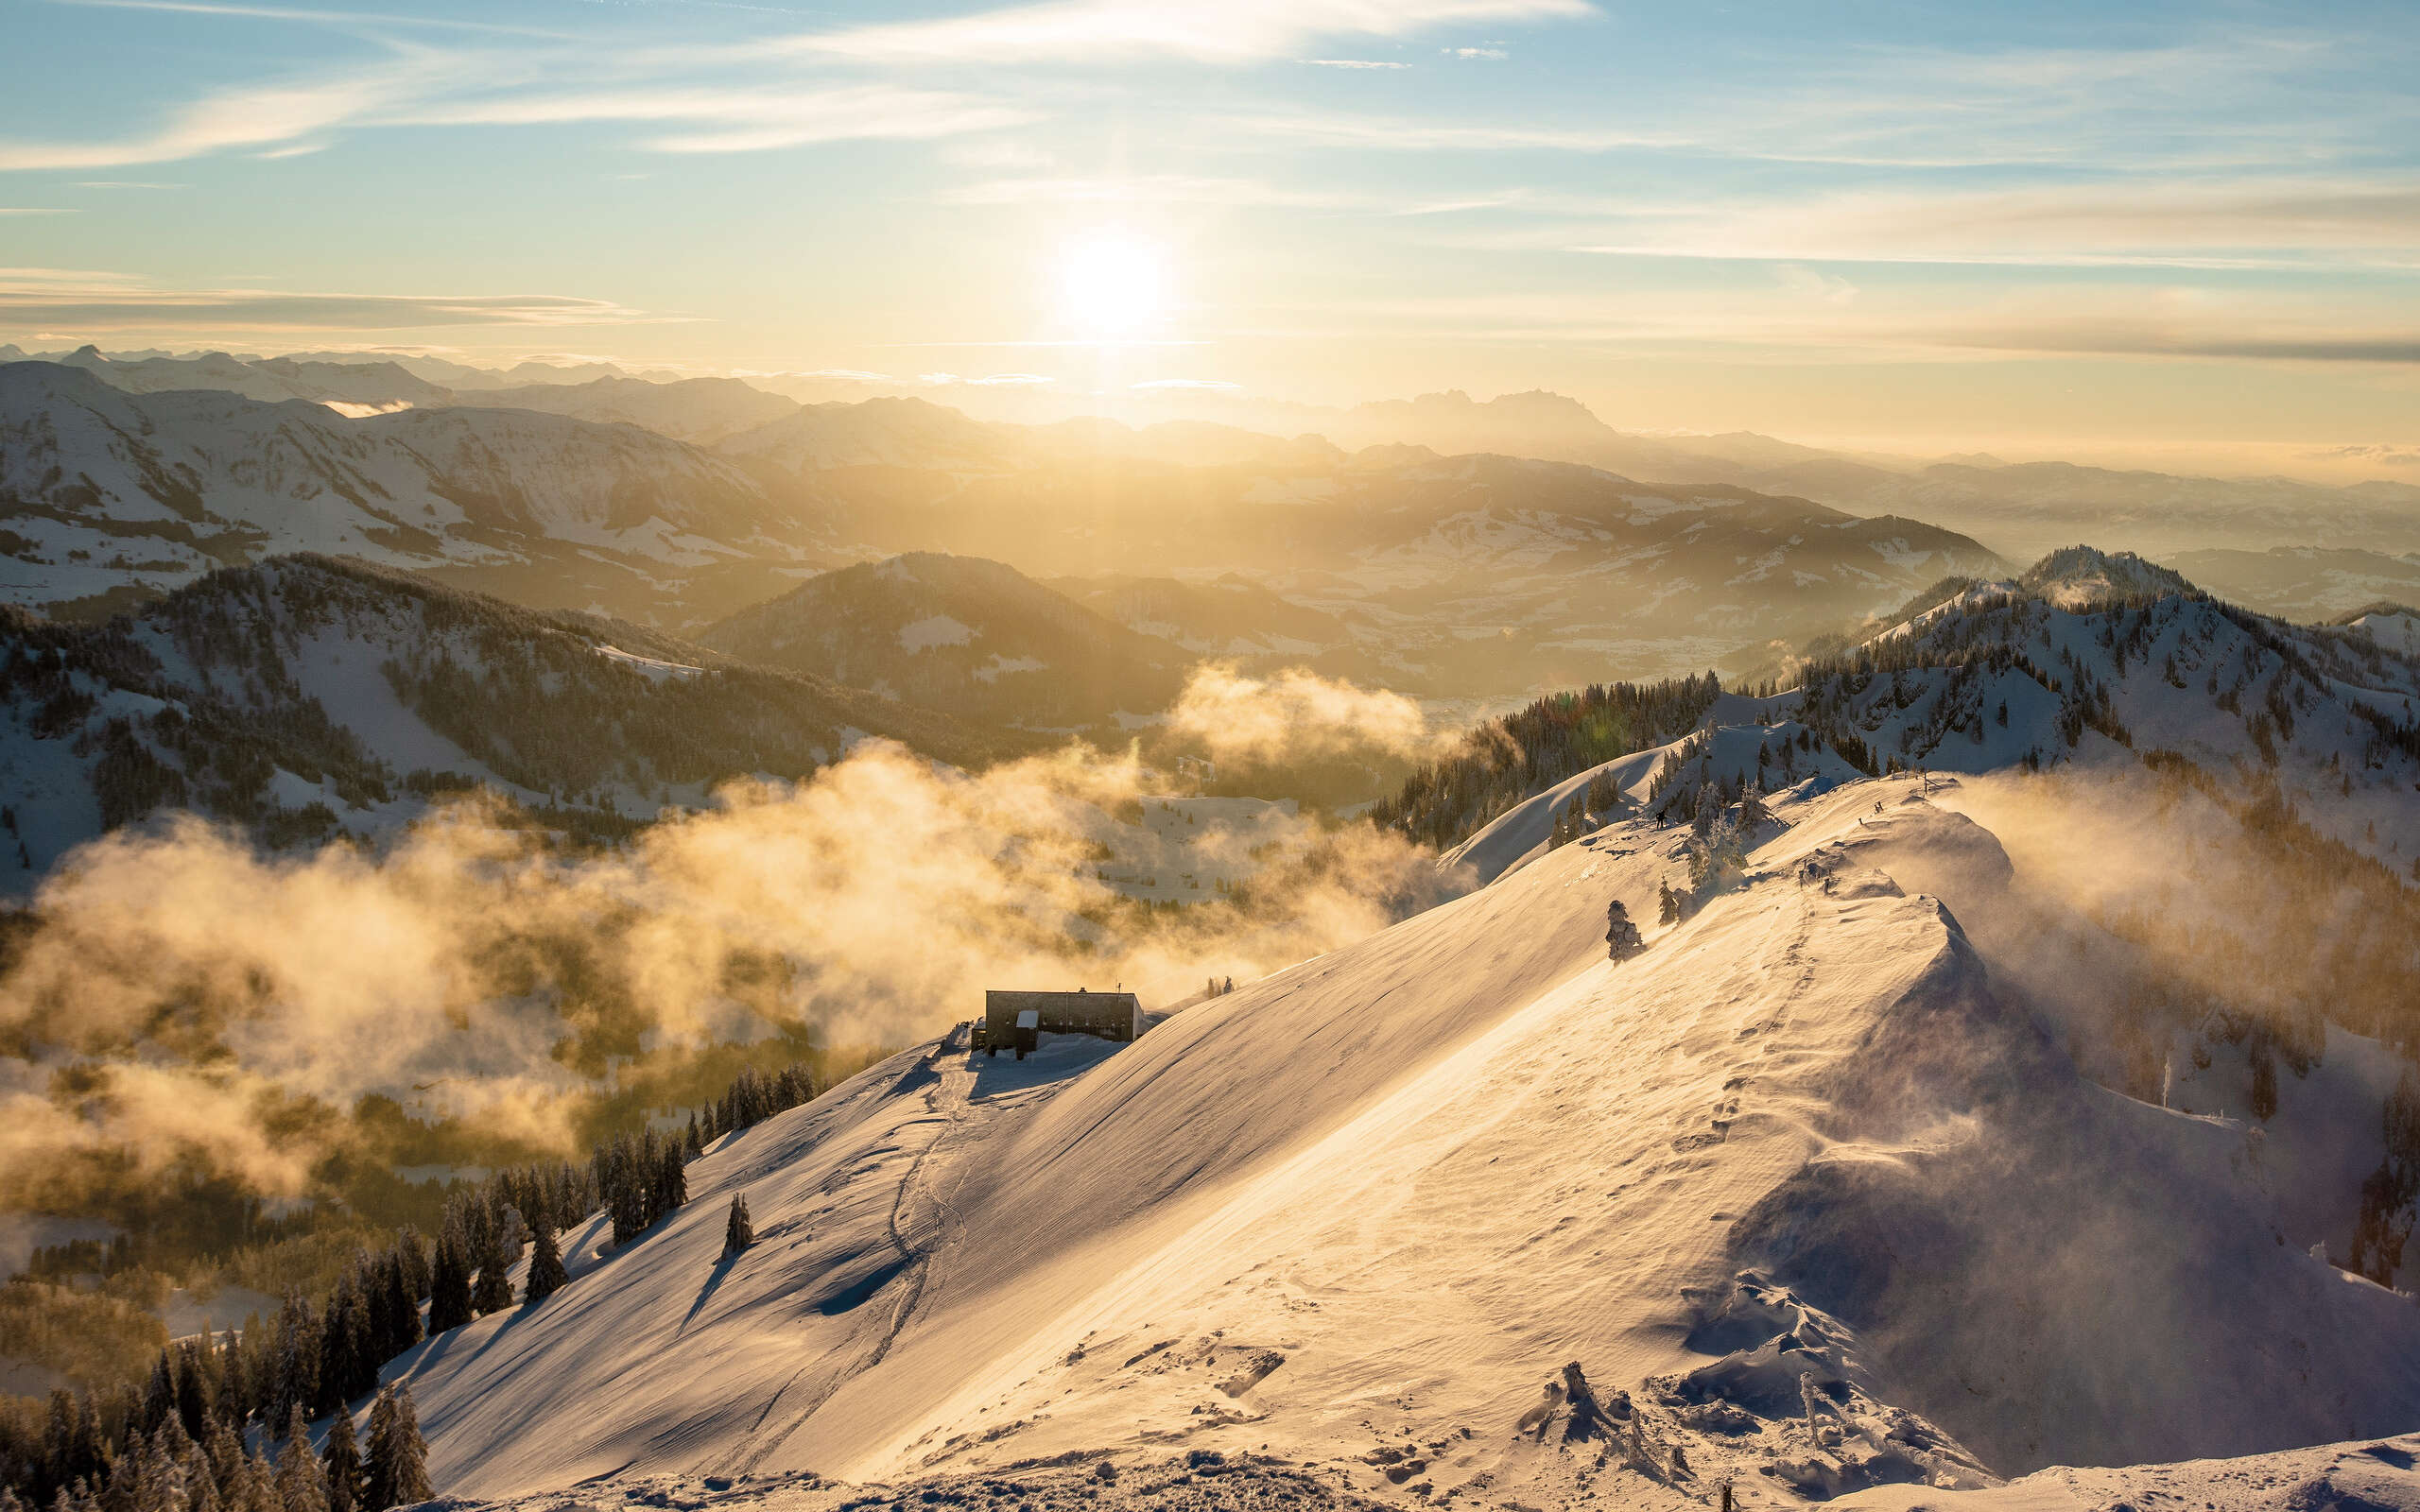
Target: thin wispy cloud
[
  {"x": 42, "y": 298},
  {"x": 1353, "y": 63},
  {"x": 1236, "y": 31},
  {"x": 2101, "y": 110},
  {"x": 347, "y": 18},
  {"x": 2238, "y": 224},
  {"x": 736, "y": 98},
  {"x": 739, "y": 120},
  {"x": 261, "y": 117},
  {"x": 1806, "y": 316}
]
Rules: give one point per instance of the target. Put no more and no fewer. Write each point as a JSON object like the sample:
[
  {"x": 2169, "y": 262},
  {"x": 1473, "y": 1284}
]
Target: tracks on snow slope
[{"x": 918, "y": 1220}]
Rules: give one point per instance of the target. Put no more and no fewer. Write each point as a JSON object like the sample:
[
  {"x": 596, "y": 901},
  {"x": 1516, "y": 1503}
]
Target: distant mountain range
[
  {"x": 1517, "y": 551},
  {"x": 1452, "y": 575},
  {"x": 2019, "y": 510}
]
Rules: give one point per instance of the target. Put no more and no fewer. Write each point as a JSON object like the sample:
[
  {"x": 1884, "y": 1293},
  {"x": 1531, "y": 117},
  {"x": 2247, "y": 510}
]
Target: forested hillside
[{"x": 307, "y": 695}]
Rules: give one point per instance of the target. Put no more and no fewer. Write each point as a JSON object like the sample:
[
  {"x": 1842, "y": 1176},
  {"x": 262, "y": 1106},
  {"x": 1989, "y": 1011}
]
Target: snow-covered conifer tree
[
  {"x": 494, "y": 1293},
  {"x": 397, "y": 1468},
  {"x": 340, "y": 1466},
  {"x": 1623, "y": 940},
  {"x": 546, "y": 1275},
  {"x": 449, "y": 1292},
  {"x": 302, "y": 1485}
]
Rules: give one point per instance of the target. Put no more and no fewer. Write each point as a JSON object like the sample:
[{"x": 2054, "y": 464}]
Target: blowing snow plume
[
  {"x": 1293, "y": 716},
  {"x": 179, "y": 1002}
]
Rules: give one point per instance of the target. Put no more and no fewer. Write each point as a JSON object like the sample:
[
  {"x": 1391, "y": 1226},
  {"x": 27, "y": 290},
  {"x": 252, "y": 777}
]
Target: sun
[{"x": 1113, "y": 284}]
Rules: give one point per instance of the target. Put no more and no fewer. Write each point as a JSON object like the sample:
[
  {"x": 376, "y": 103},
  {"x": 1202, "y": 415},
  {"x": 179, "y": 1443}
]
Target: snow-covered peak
[
  {"x": 2393, "y": 626},
  {"x": 2074, "y": 576}
]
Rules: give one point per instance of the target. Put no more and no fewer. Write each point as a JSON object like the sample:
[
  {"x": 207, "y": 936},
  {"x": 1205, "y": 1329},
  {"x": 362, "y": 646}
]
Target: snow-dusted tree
[
  {"x": 294, "y": 1372},
  {"x": 397, "y": 1467},
  {"x": 546, "y": 1275},
  {"x": 255, "y": 1485},
  {"x": 159, "y": 1395},
  {"x": 1716, "y": 856},
  {"x": 225, "y": 1446},
  {"x": 1709, "y": 809},
  {"x": 346, "y": 1367},
  {"x": 302, "y": 1485},
  {"x": 1623, "y": 940},
  {"x": 193, "y": 1388},
  {"x": 340, "y": 1466},
  {"x": 494, "y": 1293},
  {"x": 737, "y": 1234},
  {"x": 118, "y": 1495},
  {"x": 202, "y": 1490},
  {"x": 1753, "y": 811},
  {"x": 160, "y": 1473},
  {"x": 234, "y": 1400},
  {"x": 449, "y": 1283}
]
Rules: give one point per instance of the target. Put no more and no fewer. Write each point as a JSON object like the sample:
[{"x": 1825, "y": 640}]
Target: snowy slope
[
  {"x": 1361, "y": 1215},
  {"x": 2397, "y": 629},
  {"x": 2360, "y": 1476}
]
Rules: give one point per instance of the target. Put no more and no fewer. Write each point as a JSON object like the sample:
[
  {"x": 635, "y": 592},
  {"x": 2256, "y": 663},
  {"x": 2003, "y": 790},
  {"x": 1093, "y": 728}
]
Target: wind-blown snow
[{"x": 1381, "y": 1199}]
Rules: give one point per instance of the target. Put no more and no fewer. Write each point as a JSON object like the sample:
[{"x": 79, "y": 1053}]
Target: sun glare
[{"x": 1114, "y": 286}]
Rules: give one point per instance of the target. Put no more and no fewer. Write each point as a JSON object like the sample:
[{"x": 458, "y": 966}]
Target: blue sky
[{"x": 1923, "y": 224}]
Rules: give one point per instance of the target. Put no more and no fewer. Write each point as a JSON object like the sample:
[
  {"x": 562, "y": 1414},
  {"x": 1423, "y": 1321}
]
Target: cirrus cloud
[
  {"x": 1236, "y": 31},
  {"x": 45, "y": 299}
]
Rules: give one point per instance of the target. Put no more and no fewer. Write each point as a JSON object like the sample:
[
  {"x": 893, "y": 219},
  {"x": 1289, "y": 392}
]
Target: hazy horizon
[
  {"x": 1031, "y": 399},
  {"x": 2176, "y": 237}
]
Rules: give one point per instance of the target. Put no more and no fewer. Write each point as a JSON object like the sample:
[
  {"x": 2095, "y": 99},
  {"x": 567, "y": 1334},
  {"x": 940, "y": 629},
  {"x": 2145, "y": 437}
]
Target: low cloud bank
[
  {"x": 1294, "y": 715},
  {"x": 183, "y": 1004}
]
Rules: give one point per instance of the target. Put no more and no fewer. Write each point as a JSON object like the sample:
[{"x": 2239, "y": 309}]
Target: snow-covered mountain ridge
[
  {"x": 1468, "y": 1209},
  {"x": 106, "y": 495},
  {"x": 308, "y": 695},
  {"x": 2089, "y": 660}
]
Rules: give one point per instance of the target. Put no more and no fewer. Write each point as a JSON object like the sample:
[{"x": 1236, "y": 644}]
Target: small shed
[{"x": 1111, "y": 1015}]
